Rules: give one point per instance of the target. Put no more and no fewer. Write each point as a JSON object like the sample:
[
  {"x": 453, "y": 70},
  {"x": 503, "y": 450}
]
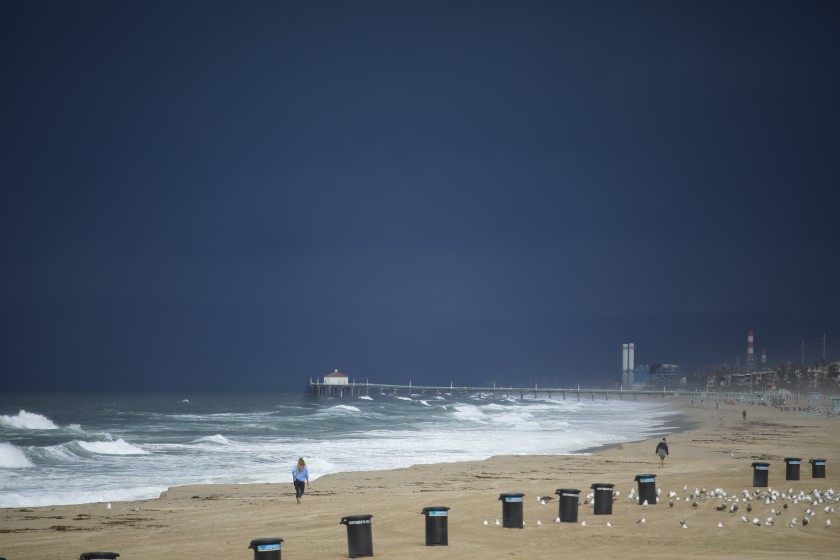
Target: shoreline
[{"x": 711, "y": 448}]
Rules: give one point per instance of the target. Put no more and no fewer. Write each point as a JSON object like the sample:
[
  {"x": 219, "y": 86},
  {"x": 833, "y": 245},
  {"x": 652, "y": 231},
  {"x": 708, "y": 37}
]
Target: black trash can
[
  {"x": 647, "y": 488},
  {"x": 512, "y": 510},
  {"x": 98, "y": 555},
  {"x": 760, "y": 472},
  {"x": 267, "y": 548},
  {"x": 817, "y": 468},
  {"x": 603, "y": 498},
  {"x": 569, "y": 500},
  {"x": 792, "y": 468},
  {"x": 437, "y": 528},
  {"x": 359, "y": 538}
]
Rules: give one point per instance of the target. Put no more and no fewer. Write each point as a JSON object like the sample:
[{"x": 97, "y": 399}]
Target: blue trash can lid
[
  {"x": 638, "y": 476},
  {"x": 789, "y": 459},
  {"x": 267, "y": 540},
  {"x": 97, "y": 555},
  {"x": 510, "y": 495},
  {"x": 816, "y": 460},
  {"x": 760, "y": 464},
  {"x": 567, "y": 491},
  {"x": 435, "y": 508},
  {"x": 597, "y": 484}
]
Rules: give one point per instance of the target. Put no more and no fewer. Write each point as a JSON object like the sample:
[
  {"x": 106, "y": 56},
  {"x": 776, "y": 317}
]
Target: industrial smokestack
[
  {"x": 624, "y": 355},
  {"x": 750, "y": 355},
  {"x": 631, "y": 357},
  {"x": 763, "y": 357}
]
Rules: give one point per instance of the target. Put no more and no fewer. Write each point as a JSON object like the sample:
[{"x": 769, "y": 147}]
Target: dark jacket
[{"x": 662, "y": 445}]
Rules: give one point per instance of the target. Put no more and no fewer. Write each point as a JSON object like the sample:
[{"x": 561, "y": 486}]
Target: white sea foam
[
  {"x": 404, "y": 399},
  {"x": 366, "y": 398},
  {"x": 425, "y": 403},
  {"x": 217, "y": 438},
  {"x": 28, "y": 421},
  {"x": 119, "y": 447},
  {"x": 12, "y": 457},
  {"x": 65, "y": 497},
  {"x": 341, "y": 409}
]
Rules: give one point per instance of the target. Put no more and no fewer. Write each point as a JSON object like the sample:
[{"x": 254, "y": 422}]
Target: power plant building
[
  {"x": 665, "y": 375},
  {"x": 656, "y": 375}
]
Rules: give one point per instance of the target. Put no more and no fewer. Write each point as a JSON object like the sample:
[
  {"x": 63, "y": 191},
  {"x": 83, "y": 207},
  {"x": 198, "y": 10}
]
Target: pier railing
[{"x": 391, "y": 390}]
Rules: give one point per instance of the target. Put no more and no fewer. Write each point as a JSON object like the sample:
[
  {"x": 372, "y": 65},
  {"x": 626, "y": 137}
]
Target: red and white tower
[{"x": 750, "y": 353}]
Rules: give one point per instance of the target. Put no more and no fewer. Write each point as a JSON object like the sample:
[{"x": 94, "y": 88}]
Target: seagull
[
  {"x": 610, "y": 524},
  {"x": 557, "y": 519},
  {"x": 757, "y": 522},
  {"x": 670, "y": 503},
  {"x": 486, "y": 522},
  {"x": 720, "y": 524},
  {"x": 804, "y": 521},
  {"x": 749, "y": 508},
  {"x": 497, "y": 522},
  {"x": 769, "y": 521},
  {"x": 642, "y": 520},
  {"x": 828, "y": 522},
  {"x": 137, "y": 508},
  {"x": 793, "y": 522},
  {"x": 734, "y": 508},
  {"x": 722, "y": 507},
  {"x": 744, "y": 519},
  {"x": 583, "y": 523},
  {"x": 108, "y": 506},
  {"x": 539, "y": 522},
  {"x": 645, "y": 503},
  {"x": 694, "y": 504},
  {"x": 682, "y": 521}
]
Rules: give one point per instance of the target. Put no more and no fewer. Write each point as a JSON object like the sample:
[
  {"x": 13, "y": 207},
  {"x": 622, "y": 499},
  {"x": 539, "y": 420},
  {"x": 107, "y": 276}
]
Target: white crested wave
[
  {"x": 342, "y": 409},
  {"x": 218, "y": 438},
  {"x": 366, "y": 398},
  {"x": 28, "y": 421},
  {"x": 425, "y": 403},
  {"x": 404, "y": 399},
  {"x": 12, "y": 457},
  {"x": 119, "y": 447}
]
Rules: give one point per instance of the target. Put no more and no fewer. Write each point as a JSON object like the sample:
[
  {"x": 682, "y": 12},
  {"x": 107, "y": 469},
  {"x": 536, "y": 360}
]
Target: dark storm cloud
[{"x": 448, "y": 189}]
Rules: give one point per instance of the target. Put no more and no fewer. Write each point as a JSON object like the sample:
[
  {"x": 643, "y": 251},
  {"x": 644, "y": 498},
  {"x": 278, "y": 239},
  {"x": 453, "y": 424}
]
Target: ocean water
[{"x": 67, "y": 447}]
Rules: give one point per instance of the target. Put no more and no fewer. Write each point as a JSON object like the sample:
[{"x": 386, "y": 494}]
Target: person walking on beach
[
  {"x": 662, "y": 451},
  {"x": 300, "y": 478},
  {"x": 744, "y": 414}
]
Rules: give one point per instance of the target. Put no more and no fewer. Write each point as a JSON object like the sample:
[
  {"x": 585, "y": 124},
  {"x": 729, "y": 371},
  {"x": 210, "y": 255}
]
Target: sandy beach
[{"x": 219, "y": 521}]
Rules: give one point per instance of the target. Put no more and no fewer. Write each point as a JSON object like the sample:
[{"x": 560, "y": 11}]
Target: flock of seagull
[{"x": 745, "y": 502}]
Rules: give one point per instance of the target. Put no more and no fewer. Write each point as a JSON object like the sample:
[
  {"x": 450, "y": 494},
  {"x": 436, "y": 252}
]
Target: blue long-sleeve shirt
[{"x": 303, "y": 475}]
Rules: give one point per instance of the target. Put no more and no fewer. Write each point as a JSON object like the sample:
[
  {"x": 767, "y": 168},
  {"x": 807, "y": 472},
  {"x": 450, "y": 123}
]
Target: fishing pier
[{"x": 348, "y": 389}]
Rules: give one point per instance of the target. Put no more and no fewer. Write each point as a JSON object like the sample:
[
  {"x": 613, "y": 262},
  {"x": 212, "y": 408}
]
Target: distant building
[
  {"x": 336, "y": 378},
  {"x": 665, "y": 375},
  {"x": 641, "y": 376}
]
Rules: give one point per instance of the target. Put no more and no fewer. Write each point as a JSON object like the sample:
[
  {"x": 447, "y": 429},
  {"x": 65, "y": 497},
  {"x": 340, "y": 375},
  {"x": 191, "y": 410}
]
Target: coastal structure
[
  {"x": 628, "y": 357},
  {"x": 325, "y": 389},
  {"x": 336, "y": 378}
]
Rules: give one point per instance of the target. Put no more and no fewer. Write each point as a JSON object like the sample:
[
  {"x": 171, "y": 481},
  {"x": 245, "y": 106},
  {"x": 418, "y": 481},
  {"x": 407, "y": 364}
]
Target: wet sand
[{"x": 716, "y": 452}]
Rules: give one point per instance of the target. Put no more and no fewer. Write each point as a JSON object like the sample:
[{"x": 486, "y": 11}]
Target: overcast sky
[{"x": 254, "y": 191}]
